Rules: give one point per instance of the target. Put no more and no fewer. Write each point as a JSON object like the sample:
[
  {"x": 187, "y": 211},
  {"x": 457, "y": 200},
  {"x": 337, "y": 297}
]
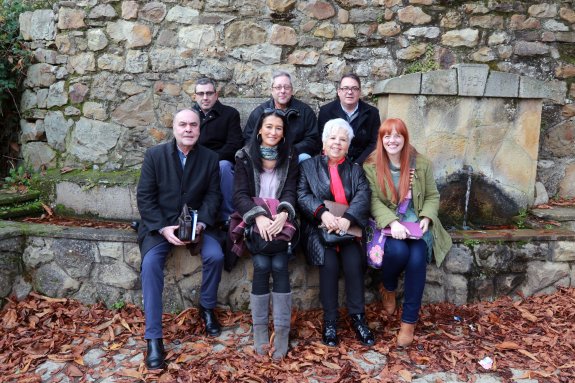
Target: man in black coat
[
  {"x": 173, "y": 174},
  {"x": 301, "y": 131},
  {"x": 220, "y": 131},
  {"x": 363, "y": 118}
]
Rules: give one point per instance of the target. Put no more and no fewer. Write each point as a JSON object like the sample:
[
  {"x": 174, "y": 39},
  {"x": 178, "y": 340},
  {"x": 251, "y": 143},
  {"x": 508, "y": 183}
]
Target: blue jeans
[
  {"x": 153, "y": 280},
  {"x": 277, "y": 266},
  {"x": 408, "y": 255},
  {"x": 227, "y": 188},
  {"x": 302, "y": 157}
]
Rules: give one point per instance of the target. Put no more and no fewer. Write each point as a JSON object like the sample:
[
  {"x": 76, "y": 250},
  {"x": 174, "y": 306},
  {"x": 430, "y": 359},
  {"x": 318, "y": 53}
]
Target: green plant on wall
[
  {"x": 425, "y": 64},
  {"x": 18, "y": 177},
  {"x": 14, "y": 55}
]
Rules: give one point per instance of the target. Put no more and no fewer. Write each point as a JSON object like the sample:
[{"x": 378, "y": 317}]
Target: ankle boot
[
  {"x": 387, "y": 299},
  {"x": 405, "y": 335},
  {"x": 329, "y": 336},
  {"x": 155, "y": 354},
  {"x": 282, "y": 304},
  {"x": 260, "y": 305},
  {"x": 362, "y": 331}
]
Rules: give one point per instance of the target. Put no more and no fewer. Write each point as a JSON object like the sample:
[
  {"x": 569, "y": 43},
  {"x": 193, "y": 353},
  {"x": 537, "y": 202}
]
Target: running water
[{"x": 469, "y": 170}]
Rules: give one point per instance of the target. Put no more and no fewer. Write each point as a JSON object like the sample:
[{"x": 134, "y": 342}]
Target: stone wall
[
  {"x": 104, "y": 264},
  {"x": 109, "y": 74}
]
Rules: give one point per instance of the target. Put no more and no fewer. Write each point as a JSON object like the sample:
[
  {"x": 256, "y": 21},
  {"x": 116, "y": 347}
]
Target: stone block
[
  {"x": 507, "y": 284},
  {"x": 542, "y": 275},
  {"x": 38, "y": 154},
  {"x": 462, "y": 37},
  {"x": 75, "y": 257},
  {"x": 439, "y": 82},
  {"x": 116, "y": 202},
  {"x": 264, "y": 53},
  {"x": 456, "y": 289},
  {"x": 532, "y": 88},
  {"x": 567, "y": 184},
  {"x": 57, "y": 128},
  {"x": 117, "y": 274},
  {"x": 20, "y": 288},
  {"x": 459, "y": 260},
  {"x": 502, "y": 84},
  {"x": 563, "y": 251},
  {"x": 406, "y": 84},
  {"x": 38, "y": 25},
  {"x": 472, "y": 79},
  {"x": 52, "y": 281},
  {"x": 40, "y": 75},
  {"x": 93, "y": 140},
  {"x": 69, "y": 18}
]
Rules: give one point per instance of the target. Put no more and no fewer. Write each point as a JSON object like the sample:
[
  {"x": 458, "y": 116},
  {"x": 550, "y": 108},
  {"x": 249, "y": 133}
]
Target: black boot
[
  {"x": 213, "y": 327},
  {"x": 155, "y": 354},
  {"x": 362, "y": 331},
  {"x": 329, "y": 337}
]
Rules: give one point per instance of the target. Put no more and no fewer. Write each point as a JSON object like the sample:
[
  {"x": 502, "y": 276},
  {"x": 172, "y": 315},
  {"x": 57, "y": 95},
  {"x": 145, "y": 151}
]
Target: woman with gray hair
[{"x": 334, "y": 199}]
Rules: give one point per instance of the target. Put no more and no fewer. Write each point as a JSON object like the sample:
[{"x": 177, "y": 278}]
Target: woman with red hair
[{"x": 399, "y": 175}]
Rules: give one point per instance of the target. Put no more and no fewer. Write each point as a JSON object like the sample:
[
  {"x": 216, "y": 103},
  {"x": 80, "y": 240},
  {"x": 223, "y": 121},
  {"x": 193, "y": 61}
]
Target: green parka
[{"x": 425, "y": 202}]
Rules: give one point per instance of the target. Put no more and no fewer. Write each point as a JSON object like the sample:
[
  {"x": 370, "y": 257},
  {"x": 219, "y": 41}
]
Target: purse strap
[{"x": 402, "y": 207}]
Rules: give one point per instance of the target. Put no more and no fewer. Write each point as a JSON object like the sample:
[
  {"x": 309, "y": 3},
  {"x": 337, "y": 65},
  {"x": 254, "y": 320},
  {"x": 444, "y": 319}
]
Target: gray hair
[
  {"x": 280, "y": 73},
  {"x": 206, "y": 81},
  {"x": 333, "y": 126}
]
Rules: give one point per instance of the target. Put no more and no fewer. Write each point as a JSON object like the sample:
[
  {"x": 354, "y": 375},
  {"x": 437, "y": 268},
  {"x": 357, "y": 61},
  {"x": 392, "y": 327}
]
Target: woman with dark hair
[
  {"x": 267, "y": 168},
  {"x": 332, "y": 177},
  {"x": 397, "y": 175}
]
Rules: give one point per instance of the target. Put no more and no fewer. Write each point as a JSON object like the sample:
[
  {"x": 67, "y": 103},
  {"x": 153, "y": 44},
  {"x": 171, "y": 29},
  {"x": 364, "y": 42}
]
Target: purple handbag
[
  {"x": 375, "y": 242},
  {"x": 375, "y": 237}
]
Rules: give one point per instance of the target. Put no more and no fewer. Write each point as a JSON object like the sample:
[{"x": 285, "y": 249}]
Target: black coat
[
  {"x": 301, "y": 131},
  {"x": 220, "y": 130},
  {"x": 365, "y": 127},
  {"x": 164, "y": 187},
  {"x": 314, "y": 187},
  {"x": 247, "y": 185}
]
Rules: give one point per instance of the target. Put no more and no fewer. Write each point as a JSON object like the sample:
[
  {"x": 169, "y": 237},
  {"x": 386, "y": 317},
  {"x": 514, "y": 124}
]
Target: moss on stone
[{"x": 47, "y": 181}]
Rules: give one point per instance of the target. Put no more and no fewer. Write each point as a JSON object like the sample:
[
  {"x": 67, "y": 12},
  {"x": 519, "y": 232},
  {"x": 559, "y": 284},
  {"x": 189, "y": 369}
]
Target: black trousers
[{"x": 349, "y": 258}]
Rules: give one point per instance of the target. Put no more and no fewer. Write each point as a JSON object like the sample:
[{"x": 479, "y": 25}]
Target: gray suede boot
[
  {"x": 281, "y": 303},
  {"x": 260, "y": 305}
]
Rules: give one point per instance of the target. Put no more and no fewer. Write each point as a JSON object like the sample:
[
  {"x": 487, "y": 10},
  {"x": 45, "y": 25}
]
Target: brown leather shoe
[
  {"x": 405, "y": 335},
  {"x": 388, "y": 300}
]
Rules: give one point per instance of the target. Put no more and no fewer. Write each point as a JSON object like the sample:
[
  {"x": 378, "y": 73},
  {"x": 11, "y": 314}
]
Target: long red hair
[{"x": 381, "y": 160}]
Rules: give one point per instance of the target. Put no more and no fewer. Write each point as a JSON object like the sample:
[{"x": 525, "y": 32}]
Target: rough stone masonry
[{"x": 109, "y": 74}]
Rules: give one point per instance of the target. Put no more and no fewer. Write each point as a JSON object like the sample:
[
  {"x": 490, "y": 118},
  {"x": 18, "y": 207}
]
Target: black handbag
[
  {"x": 332, "y": 239},
  {"x": 285, "y": 241},
  {"x": 187, "y": 224}
]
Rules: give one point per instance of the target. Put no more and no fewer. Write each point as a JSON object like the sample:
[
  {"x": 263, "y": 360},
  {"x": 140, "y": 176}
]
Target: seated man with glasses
[
  {"x": 363, "y": 118},
  {"x": 221, "y": 132},
  {"x": 301, "y": 129}
]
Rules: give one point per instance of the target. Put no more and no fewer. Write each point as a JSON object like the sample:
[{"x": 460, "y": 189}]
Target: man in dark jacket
[
  {"x": 301, "y": 131},
  {"x": 363, "y": 118},
  {"x": 173, "y": 174},
  {"x": 220, "y": 131}
]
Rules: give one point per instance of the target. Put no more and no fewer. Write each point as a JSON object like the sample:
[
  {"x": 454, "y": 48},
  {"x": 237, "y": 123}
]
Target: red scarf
[{"x": 336, "y": 185}]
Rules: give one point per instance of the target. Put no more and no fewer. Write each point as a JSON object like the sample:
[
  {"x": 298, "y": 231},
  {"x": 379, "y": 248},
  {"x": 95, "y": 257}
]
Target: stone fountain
[{"x": 481, "y": 130}]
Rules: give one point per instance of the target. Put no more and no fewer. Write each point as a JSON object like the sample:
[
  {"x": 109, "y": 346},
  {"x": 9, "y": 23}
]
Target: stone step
[
  {"x": 28, "y": 209},
  {"x": 562, "y": 214},
  {"x": 8, "y": 197}
]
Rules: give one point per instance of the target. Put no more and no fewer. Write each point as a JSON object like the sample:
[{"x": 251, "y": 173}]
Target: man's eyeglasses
[
  {"x": 279, "y": 87},
  {"x": 346, "y": 89},
  {"x": 202, "y": 94}
]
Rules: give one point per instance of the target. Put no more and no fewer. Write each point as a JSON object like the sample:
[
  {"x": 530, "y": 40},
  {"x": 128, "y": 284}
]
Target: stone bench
[{"x": 103, "y": 265}]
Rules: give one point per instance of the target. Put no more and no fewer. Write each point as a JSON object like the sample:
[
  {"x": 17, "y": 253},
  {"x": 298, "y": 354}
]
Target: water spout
[{"x": 469, "y": 170}]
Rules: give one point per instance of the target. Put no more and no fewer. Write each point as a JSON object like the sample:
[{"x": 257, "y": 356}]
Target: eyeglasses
[
  {"x": 346, "y": 89},
  {"x": 280, "y": 87},
  {"x": 202, "y": 94}
]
